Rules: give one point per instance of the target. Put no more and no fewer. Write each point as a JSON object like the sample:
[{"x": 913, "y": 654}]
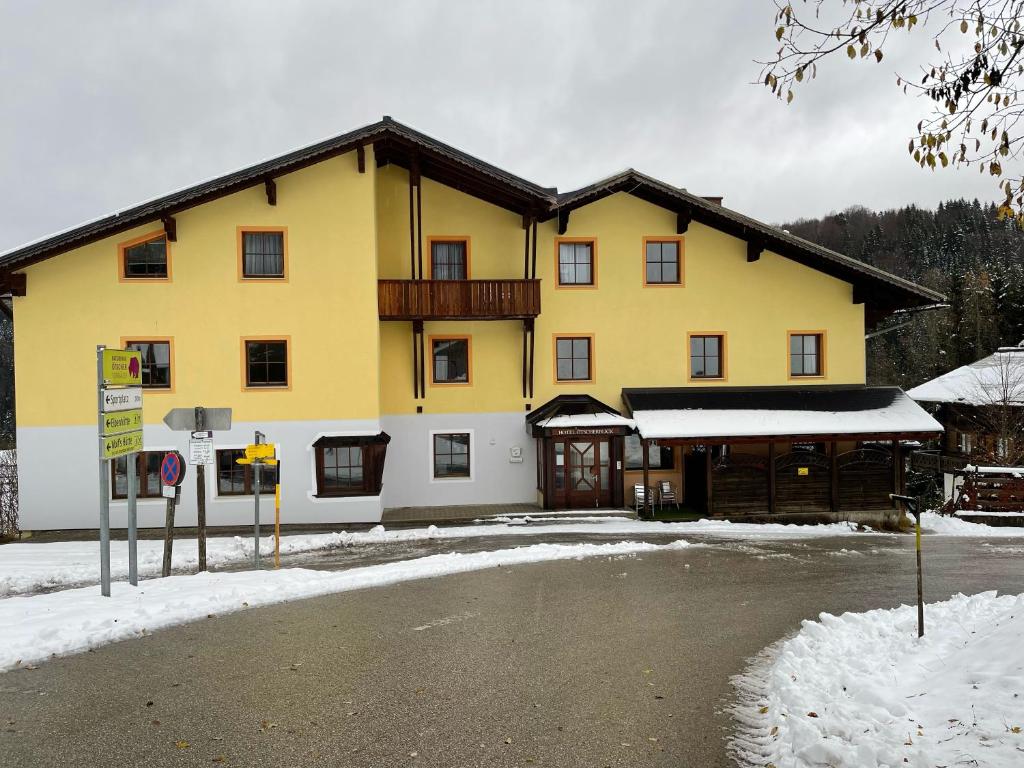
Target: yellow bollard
[{"x": 277, "y": 525}]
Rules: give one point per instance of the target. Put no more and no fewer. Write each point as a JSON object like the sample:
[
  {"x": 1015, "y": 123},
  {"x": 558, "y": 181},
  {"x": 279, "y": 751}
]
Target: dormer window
[{"x": 145, "y": 258}]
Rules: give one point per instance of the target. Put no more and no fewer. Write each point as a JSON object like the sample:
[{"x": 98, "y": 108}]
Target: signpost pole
[
  {"x": 277, "y": 519},
  {"x": 104, "y": 484},
  {"x": 916, "y": 510},
  {"x": 256, "y": 505},
  {"x": 133, "y": 530},
  {"x": 201, "y": 493}
]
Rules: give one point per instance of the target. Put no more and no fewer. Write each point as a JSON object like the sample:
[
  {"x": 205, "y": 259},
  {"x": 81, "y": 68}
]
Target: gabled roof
[
  {"x": 871, "y": 281},
  {"x": 399, "y": 144},
  {"x": 994, "y": 380}
]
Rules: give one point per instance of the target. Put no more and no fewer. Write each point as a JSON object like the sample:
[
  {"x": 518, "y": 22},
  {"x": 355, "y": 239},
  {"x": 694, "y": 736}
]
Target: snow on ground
[
  {"x": 862, "y": 690},
  {"x": 932, "y": 522},
  {"x": 29, "y": 567},
  {"x": 37, "y": 627}
]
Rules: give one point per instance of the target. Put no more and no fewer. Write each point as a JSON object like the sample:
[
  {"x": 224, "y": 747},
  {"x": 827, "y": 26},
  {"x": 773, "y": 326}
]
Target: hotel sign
[{"x": 586, "y": 431}]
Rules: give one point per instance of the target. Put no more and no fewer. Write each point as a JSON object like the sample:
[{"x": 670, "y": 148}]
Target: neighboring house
[
  {"x": 981, "y": 408},
  {"x": 414, "y": 327}
]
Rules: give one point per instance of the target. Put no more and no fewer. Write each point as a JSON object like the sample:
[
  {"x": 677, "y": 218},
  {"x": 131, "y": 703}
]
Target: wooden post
[
  {"x": 897, "y": 466},
  {"x": 201, "y": 494},
  {"x": 834, "y": 483},
  {"x": 168, "y": 537},
  {"x": 647, "y": 474},
  {"x": 277, "y": 519},
  {"x": 771, "y": 477},
  {"x": 710, "y": 479}
]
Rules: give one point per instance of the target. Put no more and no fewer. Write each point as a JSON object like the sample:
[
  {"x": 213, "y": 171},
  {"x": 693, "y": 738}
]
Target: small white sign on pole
[{"x": 200, "y": 448}]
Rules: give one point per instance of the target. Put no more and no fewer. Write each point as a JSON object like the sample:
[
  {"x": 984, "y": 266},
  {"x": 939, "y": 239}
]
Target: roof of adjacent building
[
  {"x": 694, "y": 413},
  {"x": 994, "y": 380},
  {"x": 395, "y": 143}
]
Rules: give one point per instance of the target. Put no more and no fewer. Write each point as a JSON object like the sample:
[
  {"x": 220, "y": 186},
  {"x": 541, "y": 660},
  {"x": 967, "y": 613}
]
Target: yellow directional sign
[
  {"x": 243, "y": 461},
  {"x": 259, "y": 451},
  {"x": 125, "y": 421},
  {"x": 265, "y": 462},
  {"x": 113, "y": 446},
  {"x": 121, "y": 367}
]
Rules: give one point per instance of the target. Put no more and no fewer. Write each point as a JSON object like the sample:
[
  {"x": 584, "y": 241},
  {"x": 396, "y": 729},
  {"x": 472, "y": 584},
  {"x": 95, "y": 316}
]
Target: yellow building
[{"x": 414, "y": 327}]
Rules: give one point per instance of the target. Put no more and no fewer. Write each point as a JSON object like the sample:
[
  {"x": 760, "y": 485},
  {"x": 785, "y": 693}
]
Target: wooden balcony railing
[{"x": 458, "y": 299}]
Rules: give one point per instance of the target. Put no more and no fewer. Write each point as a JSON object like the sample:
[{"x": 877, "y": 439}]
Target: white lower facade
[{"x": 58, "y": 472}]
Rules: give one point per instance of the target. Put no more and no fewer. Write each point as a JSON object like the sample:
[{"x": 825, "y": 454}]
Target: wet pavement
[{"x": 600, "y": 662}]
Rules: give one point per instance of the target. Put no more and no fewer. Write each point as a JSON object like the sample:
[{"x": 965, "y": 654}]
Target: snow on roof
[
  {"x": 902, "y": 415},
  {"x": 586, "y": 420},
  {"x": 997, "y": 378}
]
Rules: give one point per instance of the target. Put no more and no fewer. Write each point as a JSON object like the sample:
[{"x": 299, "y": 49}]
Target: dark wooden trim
[
  {"x": 419, "y": 226},
  {"x": 771, "y": 477},
  {"x": 858, "y": 294},
  {"x": 647, "y": 475},
  {"x": 683, "y": 219},
  {"x": 417, "y": 330},
  {"x": 563, "y": 220},
  {"x": 822, "y": 438},
  {"x": 526, "y": 248},
  {"x": 423, "y": 363},
  {"x": 897, "y": 466},
  {"x": 710, "y": 476},
  {"x": 834, "y": 470},
  {"x": 533, "y": 257},
  {"x": 170, "y": 228},
  {"x": 14, "y": 283},
  {"x": 754, "y": 250},
  {"x": 412, "y": 230},
  {"x": 525, "y": 334},
  {"x": 533, "y": 339},
  {"x": 361, "y": 158},
  {"x": 270, "y": 187}
]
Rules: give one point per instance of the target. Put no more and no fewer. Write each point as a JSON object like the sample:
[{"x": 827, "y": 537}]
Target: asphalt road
[{"x": 622, "y": 662}]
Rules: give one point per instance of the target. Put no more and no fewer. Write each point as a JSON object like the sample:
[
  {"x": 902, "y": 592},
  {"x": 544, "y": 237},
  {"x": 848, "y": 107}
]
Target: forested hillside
[{"x": 960, "y": 249}]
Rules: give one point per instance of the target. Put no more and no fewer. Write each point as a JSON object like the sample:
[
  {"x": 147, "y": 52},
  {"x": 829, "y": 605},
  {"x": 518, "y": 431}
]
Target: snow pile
[
  {"x": 37, "y": 627},
  {"x": 30, "y": 567},
  {"x": 932, "y": 522},
  {"x": 862, "y": 690}
]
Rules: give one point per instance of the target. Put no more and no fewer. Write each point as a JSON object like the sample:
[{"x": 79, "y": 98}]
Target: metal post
[
  {"x": 131, "y": 462},
  {"x": 104, "y": 481},
  {"x": 920, "y": 573},
  {"x": 256, "y": 522},
  {"x": 168, "y": 537},
  {"x": 201, "y": 494},
  {"x": 256, "y": 505}
]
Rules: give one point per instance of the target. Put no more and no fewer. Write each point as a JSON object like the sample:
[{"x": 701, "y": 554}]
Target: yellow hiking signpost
[
  {"x": 119, "y": 427},
  {"x": 260, "y": 454}
]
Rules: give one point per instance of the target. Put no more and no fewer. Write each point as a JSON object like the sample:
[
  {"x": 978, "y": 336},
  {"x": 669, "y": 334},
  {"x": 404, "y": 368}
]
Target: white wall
[
  {"x": 58, "y": 479},
  {"x": 408, "y": 471}
]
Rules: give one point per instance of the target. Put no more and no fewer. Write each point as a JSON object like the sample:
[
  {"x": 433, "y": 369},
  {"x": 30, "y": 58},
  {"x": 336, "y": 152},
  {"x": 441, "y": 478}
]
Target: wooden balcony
[{"x": 458, "y": 299}]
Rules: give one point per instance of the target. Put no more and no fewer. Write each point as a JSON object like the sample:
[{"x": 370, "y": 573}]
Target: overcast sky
[{"x": 105, "y": 104}]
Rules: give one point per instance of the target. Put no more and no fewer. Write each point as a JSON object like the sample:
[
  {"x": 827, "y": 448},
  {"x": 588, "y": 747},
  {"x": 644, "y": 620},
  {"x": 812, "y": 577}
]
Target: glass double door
[{"x": 587, "y": 474}]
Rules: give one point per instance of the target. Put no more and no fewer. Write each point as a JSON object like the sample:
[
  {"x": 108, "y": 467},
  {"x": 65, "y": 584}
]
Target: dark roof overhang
[
  {"x": 882, "y": 291},
  {"x": 403, "y": 146},
  {"x": 568, "y": 405}
]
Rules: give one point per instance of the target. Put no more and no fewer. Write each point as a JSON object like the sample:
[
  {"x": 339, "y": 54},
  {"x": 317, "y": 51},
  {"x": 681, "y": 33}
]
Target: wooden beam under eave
[
  {"x": 858, "y": 295},
  {"x": 683, "y": 219},
  {"x": 361, "y": 158},
  {"x": 271, "y": 188},
  {"x": 563, "y": 220},
  {"x": 13, "y": 283},
  {"x": 170, "y": 228},
  {"x": 754, "y": 250}
]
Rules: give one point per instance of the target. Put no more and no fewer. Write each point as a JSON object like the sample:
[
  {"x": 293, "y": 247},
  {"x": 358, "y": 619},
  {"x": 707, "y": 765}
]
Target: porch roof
[{"x": 726, "y": 414}]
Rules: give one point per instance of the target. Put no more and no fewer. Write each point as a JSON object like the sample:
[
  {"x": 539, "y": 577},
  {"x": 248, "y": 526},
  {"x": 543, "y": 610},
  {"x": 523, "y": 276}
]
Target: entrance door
[{"x": 588, "y": 483}]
